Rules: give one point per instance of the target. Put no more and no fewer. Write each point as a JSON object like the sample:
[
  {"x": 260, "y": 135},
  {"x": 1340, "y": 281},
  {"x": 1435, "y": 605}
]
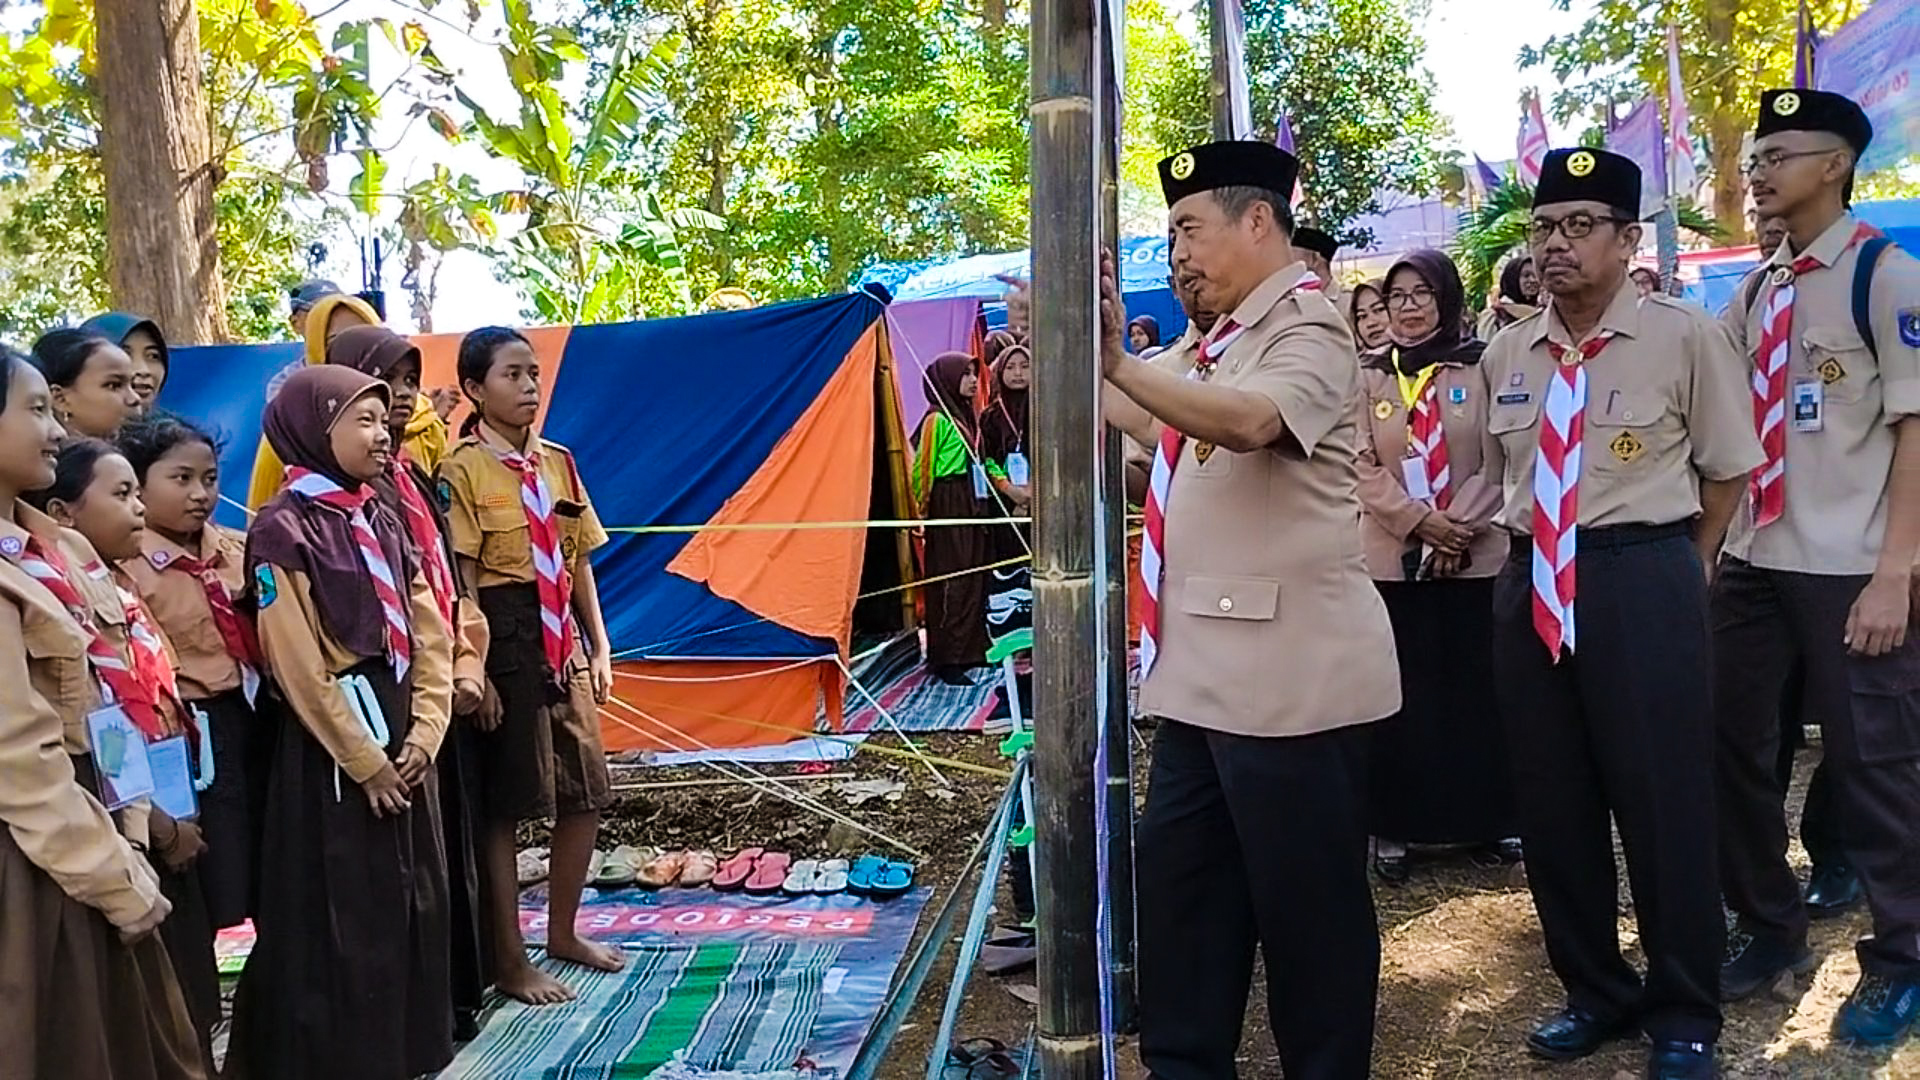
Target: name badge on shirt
[
  {"x": 1414, "y": 471},
  {"x": 1809, "y": 399},
  {"x": 173, "y": 778},
  {"x": 979, "y": 481},
  {"x": 1017, "y": 473},
  {"x": 119, "y": 757}
]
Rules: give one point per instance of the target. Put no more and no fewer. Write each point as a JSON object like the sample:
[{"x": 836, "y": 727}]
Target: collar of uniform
[
  {"x": 14, "y": 532},
  {"x": 498, "y": 443},
  {"x": 160, "y": 552},
  {"x": 28, "y": 522},
  {"x": 1826, "y": 249},
  {"x": 1268, "y": 293},
  {"x": 1622, "y": 317}
]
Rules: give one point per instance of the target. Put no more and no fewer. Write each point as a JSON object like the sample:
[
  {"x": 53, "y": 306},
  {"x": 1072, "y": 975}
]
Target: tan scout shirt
[
  {"x": 46, "y": 692},
  {"x": 1269, "y": 625},
  {"x": 1667, "y": 404},
  {"x": 485, "y": 520},
  {"x": 1386, "y": 529},
  {"x": 179, "y": 604},
  {"x": 306, "y": 662},
  {"x": 1836, "y": 513}
]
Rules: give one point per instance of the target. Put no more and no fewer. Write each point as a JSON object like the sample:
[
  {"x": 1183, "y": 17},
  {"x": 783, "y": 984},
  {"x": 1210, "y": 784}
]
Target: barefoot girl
[
  {"x": 91, "y": 379},
  {"x": 96, "y": 495},
  {"x": 409, "y": 494},
  {"x": 350, "y": 977},
  {"x": 90, "y": 993},
  {"x": 522, "y": 527}
]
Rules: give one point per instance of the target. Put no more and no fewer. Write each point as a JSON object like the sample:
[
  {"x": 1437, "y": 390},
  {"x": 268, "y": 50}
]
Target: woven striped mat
[
  {"x": 715, "y": 1004},
  {"x": 919, "y": 702}
]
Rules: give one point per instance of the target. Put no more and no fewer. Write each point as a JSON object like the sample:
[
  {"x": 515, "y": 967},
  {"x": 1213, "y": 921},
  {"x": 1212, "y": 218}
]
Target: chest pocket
[
  {"x": 1621, "y": 429},
  {"x": 57, "y": 664},
  {"x": 1209, "y": 462},
  {"x": 1840, "y": 360},
  {"x": 505, "y": 547}
]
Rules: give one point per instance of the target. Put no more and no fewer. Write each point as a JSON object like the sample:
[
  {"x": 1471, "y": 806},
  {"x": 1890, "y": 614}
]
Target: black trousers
[
  {"x": 1869, "y": 712},
  {"x": 1621, "y": 728},
  {"x": 1244, "y": 842},
  {"x": 1820, "y": 816}
]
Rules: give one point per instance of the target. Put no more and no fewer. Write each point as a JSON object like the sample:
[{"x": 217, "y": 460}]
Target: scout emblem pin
[
  {"x": 1580, "y": 164},
  {"x": 1831, "y": 371},
  {"x": 11, "y": 547},
  {"x": 160, "y": 559},
  {"x": 1782, "y": 276},
  {"x": 1382, "y": 410},
  {"x": 1626, "y": 447},
  {"x": 1182, "y": 167},
  {"x": 1202, "y": 451},
  {"x": 1787, "y": 104}
]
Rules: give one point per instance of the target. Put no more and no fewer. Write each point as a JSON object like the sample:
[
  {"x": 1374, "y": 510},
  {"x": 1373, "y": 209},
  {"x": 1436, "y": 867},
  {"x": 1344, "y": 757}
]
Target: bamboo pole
[
  {"x": 1218, "y": 80},
  {"x": 1066, "y": 381},
  {"x": 1113, "y": 483}
]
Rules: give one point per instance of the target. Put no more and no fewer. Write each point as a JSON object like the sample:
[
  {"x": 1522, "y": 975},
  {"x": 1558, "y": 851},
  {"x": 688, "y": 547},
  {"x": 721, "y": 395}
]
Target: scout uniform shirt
[
  {"x": 179, "y": 603},
  {"x": 1667, "y": 404},
  {"x": 47, "y": 688},
  {"x": 485, "y": 519},
  {"x": 1386, "y": 529},
  {"x": 1840, "y": 462},
  {"x": 1269, "y": 625}
]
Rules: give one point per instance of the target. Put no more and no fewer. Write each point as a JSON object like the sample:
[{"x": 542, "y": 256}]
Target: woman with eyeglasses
[
  {"x": 1367, "y": 314},
  {"x": 1439, "y": 767}
]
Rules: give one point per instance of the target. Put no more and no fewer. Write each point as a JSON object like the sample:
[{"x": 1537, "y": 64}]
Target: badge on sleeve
[
  {"x": 268, "y": 589},
  {"x": 1626, "y": 446},
  {"x": 444, "y": 492},
  {"x": 1910, "y": 328}
]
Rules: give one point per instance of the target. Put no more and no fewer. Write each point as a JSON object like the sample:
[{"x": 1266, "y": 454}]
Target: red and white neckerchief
[
  {"x": 1160, "y": 485},
  {"x": 151, "y": 664},
  {"x": 1426, "y": 435},
  {"x": 1769, "y": 484},
  {"x": 543, "y": 532},
  {"x": 424, "y": 528},
  {"x": 139, "y": 701},
  {"x": 386, "y": 586},
  {"x": 1556, "y": 494},
  {"x": 236, "y": 633}
]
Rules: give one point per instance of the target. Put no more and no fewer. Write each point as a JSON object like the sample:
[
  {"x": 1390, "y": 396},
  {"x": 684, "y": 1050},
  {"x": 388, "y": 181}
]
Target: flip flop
[
  {"x": 700, "y": 868},
  {"x": 831, "y": 879},
  {"x": 769, "y": 873},
  {"x": 733, "y": 873},
  {"x": 662, "y": 870},
  {"x": 800, "y": 878},
  {"x": 621, "y": 867},
  {"x": 860, "y": 876},
  {"x": 894, "y": 879},
  {"x": 530, "y": 866}
]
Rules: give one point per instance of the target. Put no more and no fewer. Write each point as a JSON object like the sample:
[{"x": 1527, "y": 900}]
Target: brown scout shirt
[
  {"x": 1837, "y": 478},
  {"x": 1269, "y": 625},
  {"x": 1667, "y": 404},
  {"x": 46, "y": 691},
  {"x": 485, "y": 518},
  {"x": 179, "y": 604},
  {"x": 306, "y": 661},
  {"x": 1386, "y": 529}
]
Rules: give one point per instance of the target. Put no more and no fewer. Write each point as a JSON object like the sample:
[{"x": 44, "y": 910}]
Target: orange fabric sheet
[
  {"x": 440, "y": 364},
  {"x": 762, "y": 710}
]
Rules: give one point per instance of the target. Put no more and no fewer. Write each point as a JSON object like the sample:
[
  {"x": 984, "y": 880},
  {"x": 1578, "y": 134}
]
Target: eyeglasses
[
  {"x": 1418, "y": 296},
  {"x": 1773, "y": 159},
  {"x": 1574, "y": 226}
]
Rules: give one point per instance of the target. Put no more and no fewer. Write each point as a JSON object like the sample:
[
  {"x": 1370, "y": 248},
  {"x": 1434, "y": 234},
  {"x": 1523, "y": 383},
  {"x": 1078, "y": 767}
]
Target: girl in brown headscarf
[
  {"x": 948, "y": 483},
  {"x": 350, "y": 974}
]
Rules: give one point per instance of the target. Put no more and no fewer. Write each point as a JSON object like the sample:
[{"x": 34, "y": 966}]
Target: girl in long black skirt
[
  {"x": 350, "y": 974},
  {"x": 948, "y": 482}
]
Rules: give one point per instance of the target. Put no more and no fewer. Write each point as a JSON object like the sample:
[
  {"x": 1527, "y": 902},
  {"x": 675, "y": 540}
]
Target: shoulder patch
[
  {"x": 444, "y": 492},
  {"x": 265, "y": 586},
  {"x": 1910, "y": 327}
]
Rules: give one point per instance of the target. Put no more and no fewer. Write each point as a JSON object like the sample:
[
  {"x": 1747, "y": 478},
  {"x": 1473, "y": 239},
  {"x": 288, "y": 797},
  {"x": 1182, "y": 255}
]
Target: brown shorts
[{"x": 545, "y": 759}]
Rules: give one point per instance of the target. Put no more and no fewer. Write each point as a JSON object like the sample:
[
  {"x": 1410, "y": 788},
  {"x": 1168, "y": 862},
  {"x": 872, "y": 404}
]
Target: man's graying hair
[{"x": 1237, "y": 200}]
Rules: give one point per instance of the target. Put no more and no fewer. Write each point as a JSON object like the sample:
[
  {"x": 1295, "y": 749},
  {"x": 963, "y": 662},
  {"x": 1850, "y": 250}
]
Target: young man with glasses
[
  {"x": 1819, "y": 566},
  {"x": 1627, "y": 438}
]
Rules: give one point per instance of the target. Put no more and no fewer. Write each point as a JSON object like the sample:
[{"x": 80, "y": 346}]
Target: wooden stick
[{"x": 751, "y": 781}]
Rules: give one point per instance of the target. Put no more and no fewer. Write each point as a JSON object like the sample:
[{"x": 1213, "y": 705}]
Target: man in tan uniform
[
  {"x": 1627, "y": 437},
  {"x": 1273, "y": 649},
  {"x": 1819, "y": 566}
]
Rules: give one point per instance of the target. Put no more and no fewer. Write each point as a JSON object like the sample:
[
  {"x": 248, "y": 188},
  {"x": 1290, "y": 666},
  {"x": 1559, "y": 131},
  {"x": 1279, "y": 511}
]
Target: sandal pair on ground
[
  {"x": 762, "y": 873},
  {"x": 651, "y": 868}
]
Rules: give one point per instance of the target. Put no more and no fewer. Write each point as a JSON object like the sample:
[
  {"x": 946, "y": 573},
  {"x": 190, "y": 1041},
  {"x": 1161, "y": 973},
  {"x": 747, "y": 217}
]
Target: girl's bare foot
[
  {"x": 526, "y": 983},
  {"x": 586, "y": 953}
]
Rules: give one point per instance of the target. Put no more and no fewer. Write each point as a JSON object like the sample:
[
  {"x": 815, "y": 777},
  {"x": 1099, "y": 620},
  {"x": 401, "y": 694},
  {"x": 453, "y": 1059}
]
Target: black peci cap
[
  {"x": 1814, "y": 110},
  {"x": 1232, "y": 163},
  {"x": 1583, "y": 174},
  {"x": 1311, "y": 239}
]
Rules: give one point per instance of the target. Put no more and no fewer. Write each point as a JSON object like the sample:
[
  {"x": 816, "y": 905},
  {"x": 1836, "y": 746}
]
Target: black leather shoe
[
  {"x": 1671, "y": 1060},
  {"x": 1832, "y": 890},
  {"x": 1753, "y": 963},
  {"x": 1573, "y": 1033}
]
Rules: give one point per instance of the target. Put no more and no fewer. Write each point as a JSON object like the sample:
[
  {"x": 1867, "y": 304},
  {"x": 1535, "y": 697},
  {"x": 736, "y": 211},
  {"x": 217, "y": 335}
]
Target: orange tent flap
[
  {"x": 715, "y": 704},
  {"x": 820, "y": 470},
  {"x": 440, "y": 363}
]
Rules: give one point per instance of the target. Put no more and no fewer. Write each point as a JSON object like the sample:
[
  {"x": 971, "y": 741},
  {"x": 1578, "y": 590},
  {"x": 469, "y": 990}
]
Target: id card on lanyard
[
  {"x": 1017, "y": 472},
  {"x": 119, "y": 757}
]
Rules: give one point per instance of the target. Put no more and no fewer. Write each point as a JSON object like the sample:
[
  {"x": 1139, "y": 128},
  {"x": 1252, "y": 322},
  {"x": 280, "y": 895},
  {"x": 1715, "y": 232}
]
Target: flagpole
[{"x": 1219, "y": 96}]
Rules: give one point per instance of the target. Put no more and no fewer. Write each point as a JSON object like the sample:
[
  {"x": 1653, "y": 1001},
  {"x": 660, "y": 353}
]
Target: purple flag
[
  {"x": 1803, "y": 38},
  {"x": 1488, "y": 178},
  {"x": 1283, "y": 135}
]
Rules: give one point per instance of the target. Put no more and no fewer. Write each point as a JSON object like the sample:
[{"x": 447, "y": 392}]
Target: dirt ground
[{"x": 1463, "y": 977}]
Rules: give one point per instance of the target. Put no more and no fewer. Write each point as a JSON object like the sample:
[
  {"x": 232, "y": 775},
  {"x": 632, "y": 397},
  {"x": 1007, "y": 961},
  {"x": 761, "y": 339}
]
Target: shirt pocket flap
[
  {"x": 1510, "y": 416},
  {"x": 1251, "y": 599},
  {"x": 1630, "y": 410},
  {"x": 48, "y": 639},
  {"x": 1832, "y": 339},
  {"x": 500, "y": 519}
]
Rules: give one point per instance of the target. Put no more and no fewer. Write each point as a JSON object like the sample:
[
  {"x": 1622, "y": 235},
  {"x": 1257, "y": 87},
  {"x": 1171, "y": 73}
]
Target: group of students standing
[{"x": 390, "y": 669}]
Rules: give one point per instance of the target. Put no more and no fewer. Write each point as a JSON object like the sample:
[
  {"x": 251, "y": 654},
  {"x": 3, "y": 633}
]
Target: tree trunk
[
  {"x": 1728, "y": 119},
  {"x": 163, "y": 255}
]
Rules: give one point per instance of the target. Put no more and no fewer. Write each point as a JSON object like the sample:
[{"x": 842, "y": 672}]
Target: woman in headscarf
[
  {"x": 1003, "y": 452},
  {"x": 1143, "y": 335},
  {"x": 948, "y": 483},
  {"x": 1367, "y": 314},
  {"x": 350, "y": 974},
  {"x": 996, "y": 343},
  {"x": 409, "y": 493},
  {"x": 1519, "y": 297},
  {"x": 141, "y": 338},
  {"x": 1430, "y": 489}
]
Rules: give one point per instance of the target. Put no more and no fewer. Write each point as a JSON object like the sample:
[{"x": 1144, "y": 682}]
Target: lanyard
[{"x": 1411, "y": 389}]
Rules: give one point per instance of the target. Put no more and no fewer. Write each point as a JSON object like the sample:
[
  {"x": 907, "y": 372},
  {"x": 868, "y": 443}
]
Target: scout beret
[
  {"x": 1232, "y": 163},
  {"x": 1311, "y": 239},
  {"x": 1814, "y": 110},
  {"x": 1583, "y": 174}
]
